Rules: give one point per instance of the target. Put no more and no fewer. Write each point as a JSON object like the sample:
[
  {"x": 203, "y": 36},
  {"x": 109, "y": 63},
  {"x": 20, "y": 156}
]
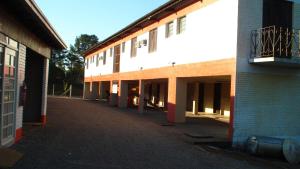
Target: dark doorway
[
  {"x": 201, "y": 98},
  {"x": 278, "y": 13},
  {"x": 34, "y": 82},
  {"x": 217, "y": 97}
]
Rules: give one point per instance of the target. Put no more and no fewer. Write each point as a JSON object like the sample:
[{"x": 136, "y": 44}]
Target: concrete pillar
[
  {"x": 45, "y": 91},
  {"x": 177, "y": 91},
  {"x": 123, "y": 94},
  {"x": 196, "y": 98},
  {"x": 232, "y": 106},
  {"x": 95, "y": 90},
  {"x": 225, "y": 99},
  {"x": 87, "y": 90},
  {"x": 141, "y": 96},
  {"x": 101, "y": 90}
]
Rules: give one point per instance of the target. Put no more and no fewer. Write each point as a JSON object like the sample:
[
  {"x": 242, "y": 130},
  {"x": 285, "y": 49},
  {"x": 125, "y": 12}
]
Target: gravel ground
[{"x": 91, "y": 135}]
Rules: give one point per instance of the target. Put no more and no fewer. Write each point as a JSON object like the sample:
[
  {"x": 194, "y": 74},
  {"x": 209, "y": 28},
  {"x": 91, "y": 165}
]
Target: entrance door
[
  {"x": 33, "y": 80},
  {"x": 8, "y": 94},
  {"x": 117, "y": 53}
]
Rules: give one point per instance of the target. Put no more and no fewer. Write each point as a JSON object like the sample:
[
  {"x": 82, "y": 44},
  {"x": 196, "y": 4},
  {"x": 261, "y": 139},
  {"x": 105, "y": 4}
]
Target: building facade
[
  {"x": 26, "y": 42},
  {"x": 227, "y": 57}
]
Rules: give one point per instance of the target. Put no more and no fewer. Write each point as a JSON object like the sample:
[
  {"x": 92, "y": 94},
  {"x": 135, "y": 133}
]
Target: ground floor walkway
[{"x": 92, "y": 135}]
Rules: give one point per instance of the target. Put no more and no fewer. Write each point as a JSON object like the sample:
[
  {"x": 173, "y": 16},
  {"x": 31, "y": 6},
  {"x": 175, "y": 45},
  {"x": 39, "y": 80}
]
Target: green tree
[
  {"x": 67, "y": 66},
  {"x": 84, "y": 42}
]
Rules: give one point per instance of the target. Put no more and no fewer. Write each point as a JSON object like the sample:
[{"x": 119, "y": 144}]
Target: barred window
[
  {"x": 104, "y": 57},
  {"x": 133, "y": 47},
  {"x": 111, "y": 52},
  {"x": 181, "y": 24},
  {"x": 152, "y": 40},
  {"x": 123, "y": 47},
  {"x": 169, "y": 29},
  {"x": 97, "y": 60}
]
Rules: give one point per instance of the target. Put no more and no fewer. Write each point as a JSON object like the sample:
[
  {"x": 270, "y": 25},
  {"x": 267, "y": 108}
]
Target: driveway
[{"x": 91, "y": 135}]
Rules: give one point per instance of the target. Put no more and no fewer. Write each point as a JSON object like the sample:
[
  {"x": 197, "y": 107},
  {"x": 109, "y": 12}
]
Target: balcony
[{"x": 275, "y": 46}]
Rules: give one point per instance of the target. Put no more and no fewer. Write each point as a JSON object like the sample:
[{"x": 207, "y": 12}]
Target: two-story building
[
  {"x": 26, "y": 41},
  {"x": 235, "y": 58}
]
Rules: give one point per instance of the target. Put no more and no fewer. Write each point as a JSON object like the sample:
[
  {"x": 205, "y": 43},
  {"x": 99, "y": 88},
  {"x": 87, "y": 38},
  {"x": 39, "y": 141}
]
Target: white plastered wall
[
  {"x": 21, "y": 78},
  {"x": 210, "y": 35}
]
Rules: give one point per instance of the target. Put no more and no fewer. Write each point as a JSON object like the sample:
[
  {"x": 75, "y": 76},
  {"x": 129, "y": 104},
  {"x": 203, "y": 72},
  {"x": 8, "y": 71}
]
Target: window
[
  {"x": 91, "y": 60},
  {"x": 169, "y": 29},
  {"x": 133, "y": 47},
  {"x": 97, "y": 60},
  {"x": 104, "y": 57},
  {"x": 111, "y": 52},
  {"x": 181, "y": 23},
  {"x": 123, "y": 47},
  {"x": 152, "y": 40}
]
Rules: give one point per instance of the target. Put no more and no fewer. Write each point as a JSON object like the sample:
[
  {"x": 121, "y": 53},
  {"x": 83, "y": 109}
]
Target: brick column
[
  {"x": 141, "y": 96},
  {"x": 44, "y": 91},
  {"x": 232, "y": 97},
  {"x": 196, "y": 98},
  {"x": 123, "y": 94},
  {"x": 176, "y": 100}
]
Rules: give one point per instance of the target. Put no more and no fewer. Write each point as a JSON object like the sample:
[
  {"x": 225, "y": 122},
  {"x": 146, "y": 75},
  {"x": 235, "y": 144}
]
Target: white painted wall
[{"x": 210, "y": 35}]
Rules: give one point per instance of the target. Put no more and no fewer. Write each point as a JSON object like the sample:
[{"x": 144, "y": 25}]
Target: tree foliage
[{"x": 66, "y": 67}]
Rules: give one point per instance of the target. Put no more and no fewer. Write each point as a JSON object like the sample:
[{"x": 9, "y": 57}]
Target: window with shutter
[
  {"x": 133, "y": 47},
  {"x": 153, "y": 40}
]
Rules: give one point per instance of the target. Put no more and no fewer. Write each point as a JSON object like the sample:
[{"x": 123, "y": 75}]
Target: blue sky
[{"x": 71, "y": 18}]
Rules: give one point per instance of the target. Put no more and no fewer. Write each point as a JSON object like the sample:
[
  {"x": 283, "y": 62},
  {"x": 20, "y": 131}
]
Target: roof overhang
[
  {"x": 157, "y": 14},
  {"x": 29, "y": 14}
]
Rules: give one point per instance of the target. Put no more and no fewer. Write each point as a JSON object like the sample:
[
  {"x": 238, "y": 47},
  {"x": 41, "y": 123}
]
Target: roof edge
[
  {"x": 141, "y": 20},
  {"x": 45, "y": 21}
]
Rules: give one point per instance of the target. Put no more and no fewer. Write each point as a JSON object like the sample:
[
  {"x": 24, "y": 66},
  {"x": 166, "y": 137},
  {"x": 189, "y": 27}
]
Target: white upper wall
[{"x": 211, "y": 34}]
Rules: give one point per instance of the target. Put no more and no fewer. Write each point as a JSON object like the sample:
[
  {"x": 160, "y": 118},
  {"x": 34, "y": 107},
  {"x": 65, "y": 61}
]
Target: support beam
[
  {"x": 141, "y": 96},
  {"x": 177, "y": 91},
  {"x": 196, "y": 98},
  {"x": 95, "y": 90},
  {"x": 232, "y": 105},
  {"x": 123, "y": 94},
  {"x": 45, "y": 91}
]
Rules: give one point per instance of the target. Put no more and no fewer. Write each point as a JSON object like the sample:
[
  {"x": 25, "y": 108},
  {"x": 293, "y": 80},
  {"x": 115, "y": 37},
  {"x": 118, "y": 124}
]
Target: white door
[{"x": 8, "y": 94}]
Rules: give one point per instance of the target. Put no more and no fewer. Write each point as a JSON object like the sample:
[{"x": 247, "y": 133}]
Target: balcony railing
[{"x": 275, "y": 42}]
